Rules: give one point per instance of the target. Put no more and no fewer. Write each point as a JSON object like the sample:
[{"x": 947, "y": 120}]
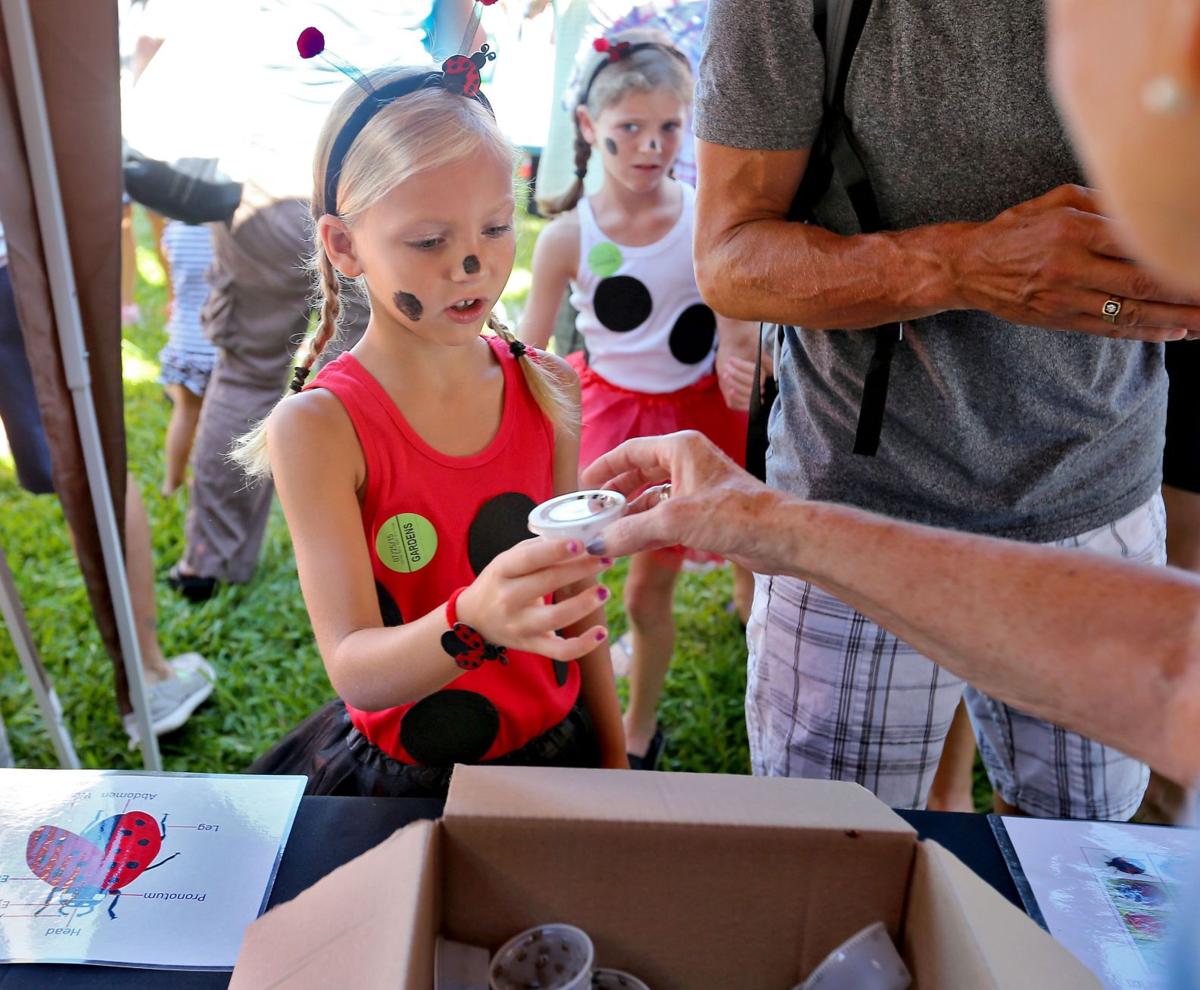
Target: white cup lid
[{"x": 577, "y": 515}]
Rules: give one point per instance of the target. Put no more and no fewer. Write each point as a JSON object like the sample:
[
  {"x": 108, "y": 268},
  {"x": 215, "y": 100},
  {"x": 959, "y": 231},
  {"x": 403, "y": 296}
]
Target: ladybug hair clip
[
  {"x": 460, "y": 73},
  {"x": 615, "y": 52}
]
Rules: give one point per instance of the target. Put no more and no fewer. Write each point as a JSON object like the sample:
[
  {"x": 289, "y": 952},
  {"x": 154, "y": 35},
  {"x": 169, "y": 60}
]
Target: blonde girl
[
  {"x": 625, "y": 255},
  {"x": 407, "y": 467}
]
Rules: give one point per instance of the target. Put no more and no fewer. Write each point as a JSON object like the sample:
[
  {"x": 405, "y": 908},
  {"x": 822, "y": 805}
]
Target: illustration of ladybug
[
  {"x": 469, "y": 649},
  {"x": 83, "y": 869},
  {"x": 1125, "y": 866},
  {"x": 460, "y": 73}
]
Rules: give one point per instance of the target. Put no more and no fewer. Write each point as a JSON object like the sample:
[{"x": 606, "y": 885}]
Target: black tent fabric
[{"x": 77, "y": 48}]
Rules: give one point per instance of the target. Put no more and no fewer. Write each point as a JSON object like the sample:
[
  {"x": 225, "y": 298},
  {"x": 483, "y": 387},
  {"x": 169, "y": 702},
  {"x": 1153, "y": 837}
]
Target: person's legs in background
[
  {"x": 181, "y": 432},
  {"x": 649, "y": 603},
  {"x": 176, "y": 686},
  {"x": 257, "y": 313},
  {"x": 953, "y": 784}
]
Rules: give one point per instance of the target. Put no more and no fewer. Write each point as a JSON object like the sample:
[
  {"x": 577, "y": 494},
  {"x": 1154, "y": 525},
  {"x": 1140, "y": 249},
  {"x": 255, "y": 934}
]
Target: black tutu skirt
[{"x": 340, "y": 761}]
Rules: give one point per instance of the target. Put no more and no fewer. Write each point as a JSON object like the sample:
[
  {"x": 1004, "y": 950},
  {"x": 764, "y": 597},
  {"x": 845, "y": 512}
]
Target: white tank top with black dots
[{"x": 640, "y": 313}]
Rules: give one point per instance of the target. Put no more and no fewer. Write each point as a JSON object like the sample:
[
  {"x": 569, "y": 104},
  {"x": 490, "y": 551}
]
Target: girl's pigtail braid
[
  {"x": 568, "y": 200},
  {"x": 327, "y": 326},
  {"x": 548, "y": 391}
]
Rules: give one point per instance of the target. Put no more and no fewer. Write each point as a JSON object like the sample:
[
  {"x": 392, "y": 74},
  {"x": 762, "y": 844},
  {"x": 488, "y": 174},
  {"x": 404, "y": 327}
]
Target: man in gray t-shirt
[{"x": 1015, "y": 407}]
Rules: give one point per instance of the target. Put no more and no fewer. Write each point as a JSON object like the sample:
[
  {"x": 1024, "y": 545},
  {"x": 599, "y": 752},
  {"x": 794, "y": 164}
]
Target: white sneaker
[{"x": 172, "y": 701}]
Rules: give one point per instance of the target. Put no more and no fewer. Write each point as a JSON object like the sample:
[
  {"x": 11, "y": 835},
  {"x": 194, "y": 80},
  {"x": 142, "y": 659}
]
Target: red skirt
[{"x": 612, "y": 415}]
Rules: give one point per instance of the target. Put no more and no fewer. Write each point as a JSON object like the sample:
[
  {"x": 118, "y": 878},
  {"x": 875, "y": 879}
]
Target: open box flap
[
  {"x": 329, "y": 936},
  {"x": 676, "y": 798},
  {"x": 959, "y": 932}
]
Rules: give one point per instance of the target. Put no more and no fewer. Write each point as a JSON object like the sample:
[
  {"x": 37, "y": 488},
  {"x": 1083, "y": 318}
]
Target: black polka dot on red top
[
  {"x": 449, "y": 727},
  {"x": 693, "y": 335},
  {"x": 622, "y": 303},
  {"x": 389, "y": 611},
  {"x": 501, "y": 522}
]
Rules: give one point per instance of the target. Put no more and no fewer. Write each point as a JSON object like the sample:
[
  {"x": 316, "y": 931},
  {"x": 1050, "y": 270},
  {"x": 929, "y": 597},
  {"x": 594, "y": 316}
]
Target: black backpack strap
[
  {"x": 761, "y": 401},
  {"x": 847, "y": 162}
]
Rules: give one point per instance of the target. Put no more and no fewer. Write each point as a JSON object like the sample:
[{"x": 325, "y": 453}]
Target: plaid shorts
[{"x": 832, "y": 695}]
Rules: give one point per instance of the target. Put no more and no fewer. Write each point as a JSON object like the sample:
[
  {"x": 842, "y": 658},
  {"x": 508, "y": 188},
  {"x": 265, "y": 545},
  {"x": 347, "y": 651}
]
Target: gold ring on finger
[{"x": 1111, "y": 309}]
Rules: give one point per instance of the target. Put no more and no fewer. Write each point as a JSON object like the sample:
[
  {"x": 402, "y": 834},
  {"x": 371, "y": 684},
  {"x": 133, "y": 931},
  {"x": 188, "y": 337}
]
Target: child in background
[
  {"x": 408, "y": 466},
  {"x": 626, "y": 254},
  {"x": 187, "y": 359}
]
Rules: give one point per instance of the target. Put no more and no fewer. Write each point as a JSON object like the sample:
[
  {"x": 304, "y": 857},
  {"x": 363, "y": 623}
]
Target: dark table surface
[{"x": 331, "y": 831}]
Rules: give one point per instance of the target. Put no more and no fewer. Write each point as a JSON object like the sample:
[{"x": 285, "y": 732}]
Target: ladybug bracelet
[{"x": 464, "y": 643}]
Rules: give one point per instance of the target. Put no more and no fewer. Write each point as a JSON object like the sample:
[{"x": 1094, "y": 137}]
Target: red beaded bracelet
[{"x": 464, "y": 643}]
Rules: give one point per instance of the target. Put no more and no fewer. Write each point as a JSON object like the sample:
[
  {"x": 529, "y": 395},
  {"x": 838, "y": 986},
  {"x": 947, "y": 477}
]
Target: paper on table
[
  {"x": 137, "y": 869},
  {"x": 1106, "y": 891}
]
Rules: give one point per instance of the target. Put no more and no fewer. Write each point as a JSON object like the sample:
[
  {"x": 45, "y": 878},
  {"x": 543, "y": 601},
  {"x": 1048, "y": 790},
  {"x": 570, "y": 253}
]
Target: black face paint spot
[
  {"x": 501, "y": 523},
  {"x": 610, "y": 146},
  {"x": 389, "y": 611},
  {"x": 622, "y": 303},
  {"x": 693, "y": 334},
  {"x": 471, "y": 265},
  {"x": 561, "y": 670},
  {"x": 450, "y": 727},
  {"x": 409, "y": 305},
  {"x": 653, "y": 145}
]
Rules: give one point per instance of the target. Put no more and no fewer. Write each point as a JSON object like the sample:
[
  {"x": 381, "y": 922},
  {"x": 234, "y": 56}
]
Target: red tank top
[{"x": 432, "y": 522}]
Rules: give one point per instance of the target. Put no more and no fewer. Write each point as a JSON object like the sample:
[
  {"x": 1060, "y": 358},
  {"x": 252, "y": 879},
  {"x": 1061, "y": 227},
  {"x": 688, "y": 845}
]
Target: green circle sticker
[
  {"x": 604, "y": 259},
  {"x": 406, "y": 542}
]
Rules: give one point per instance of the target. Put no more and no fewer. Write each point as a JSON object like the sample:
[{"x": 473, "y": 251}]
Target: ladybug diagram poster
[
  {"x": 1108, "y": 891},
  {"x": 137, "y": 869}
]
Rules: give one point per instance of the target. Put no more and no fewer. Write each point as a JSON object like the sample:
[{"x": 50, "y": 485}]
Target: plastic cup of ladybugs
[
  {"x": 615, "y": 979},
  {"x": 577, "y": 515},
  {"x": 868, "y": 960},
  {"x": 549, "y": 957}
]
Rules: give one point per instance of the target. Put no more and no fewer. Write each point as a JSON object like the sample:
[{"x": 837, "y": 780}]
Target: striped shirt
[{"x": 189, "y": 253}]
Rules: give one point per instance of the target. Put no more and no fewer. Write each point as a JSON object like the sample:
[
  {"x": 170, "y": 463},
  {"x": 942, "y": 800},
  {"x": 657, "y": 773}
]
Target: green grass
[{"x": 257, "y": 635}]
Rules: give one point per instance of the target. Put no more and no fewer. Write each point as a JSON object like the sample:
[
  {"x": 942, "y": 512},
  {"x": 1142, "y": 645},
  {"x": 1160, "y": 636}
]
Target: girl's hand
[
  {"x": 736, "y": 378},
  {"x": 506, "y": 604}
]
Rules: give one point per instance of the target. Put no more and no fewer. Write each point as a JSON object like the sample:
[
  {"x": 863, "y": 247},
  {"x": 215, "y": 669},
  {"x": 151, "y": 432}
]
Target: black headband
[
  {"x": 621, "y": 51},
  {"x": 379, "y": 99}
]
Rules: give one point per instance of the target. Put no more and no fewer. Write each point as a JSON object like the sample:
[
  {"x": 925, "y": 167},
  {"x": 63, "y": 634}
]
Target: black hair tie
[
  {"x": 299, "y": 374},
  {"x": 581, "y": 173},
  {"x": 517, "y": 347}
]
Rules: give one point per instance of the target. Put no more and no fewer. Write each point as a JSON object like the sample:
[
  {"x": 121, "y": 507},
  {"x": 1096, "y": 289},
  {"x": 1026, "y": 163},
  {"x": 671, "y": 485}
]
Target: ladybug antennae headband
[
  {"x": 622, "y": 50},
  {"x": 459, "y": 74}
]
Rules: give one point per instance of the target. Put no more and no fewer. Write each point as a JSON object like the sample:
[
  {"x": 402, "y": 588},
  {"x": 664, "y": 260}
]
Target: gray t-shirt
[{"x": 990, "y": 427}]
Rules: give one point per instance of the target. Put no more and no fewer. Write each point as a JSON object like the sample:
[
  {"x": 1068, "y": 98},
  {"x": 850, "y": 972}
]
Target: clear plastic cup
[
  {"x": 615, "y": 979},
  {"x": 549, "y": 957},
  {"x": 577, "y": 515},
  {"x": 865, "y": 961}
]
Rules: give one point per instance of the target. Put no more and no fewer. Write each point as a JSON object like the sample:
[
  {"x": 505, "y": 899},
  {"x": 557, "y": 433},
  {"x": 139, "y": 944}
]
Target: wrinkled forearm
[
  {"x": 779, "y": 272},
  {"x": 1107, "y": 648}
]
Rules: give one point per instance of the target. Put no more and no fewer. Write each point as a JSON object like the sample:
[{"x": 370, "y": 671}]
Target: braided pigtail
[
  {"x": 250, "y": 451},
  {"x": 554, "y": 205},
  {"x": 546, "y": 387}
]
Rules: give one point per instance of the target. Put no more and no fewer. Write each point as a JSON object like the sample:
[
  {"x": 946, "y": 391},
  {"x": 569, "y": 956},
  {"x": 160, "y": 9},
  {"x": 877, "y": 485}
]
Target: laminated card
[{"x": 137, "y": 869}]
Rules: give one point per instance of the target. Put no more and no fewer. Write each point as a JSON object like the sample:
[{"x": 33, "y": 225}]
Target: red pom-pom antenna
[
  {"x": 310, "y": 43},
  {"x": 601, "y": 45},
  {"x": 487, "y": 3}
]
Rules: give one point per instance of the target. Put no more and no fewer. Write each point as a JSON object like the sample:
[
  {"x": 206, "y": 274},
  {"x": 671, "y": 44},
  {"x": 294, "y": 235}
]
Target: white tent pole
[
  {"x": 43, "y": 690},
  {"x": 31, "y": 99}
]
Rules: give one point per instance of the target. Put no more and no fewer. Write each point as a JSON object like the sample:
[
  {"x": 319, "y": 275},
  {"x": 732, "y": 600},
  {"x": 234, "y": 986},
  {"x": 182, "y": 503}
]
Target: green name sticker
[
  {"x": 406, "y": 542},
  {"x": 604, "y": 259}
]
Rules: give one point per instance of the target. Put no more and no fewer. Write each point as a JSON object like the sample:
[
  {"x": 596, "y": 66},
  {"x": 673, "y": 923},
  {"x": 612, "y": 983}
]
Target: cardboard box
[{"x": 688, "y": 881}]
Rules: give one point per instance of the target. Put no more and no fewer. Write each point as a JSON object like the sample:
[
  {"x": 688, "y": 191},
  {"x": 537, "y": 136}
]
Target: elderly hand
[
  {"x": 712, "y": 504},
  {"x": 1055, "y": 261}
]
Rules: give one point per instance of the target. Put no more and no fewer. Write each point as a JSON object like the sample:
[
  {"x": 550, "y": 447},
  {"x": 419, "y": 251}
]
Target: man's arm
[{"x": 1050, "y": 262}]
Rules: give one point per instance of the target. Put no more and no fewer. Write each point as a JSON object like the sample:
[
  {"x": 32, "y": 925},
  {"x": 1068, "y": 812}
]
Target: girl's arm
[
  {"x": 598, "y": 689},
  {"x": 318, "y": 468},
  {"x": 555, "y": 261}
]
